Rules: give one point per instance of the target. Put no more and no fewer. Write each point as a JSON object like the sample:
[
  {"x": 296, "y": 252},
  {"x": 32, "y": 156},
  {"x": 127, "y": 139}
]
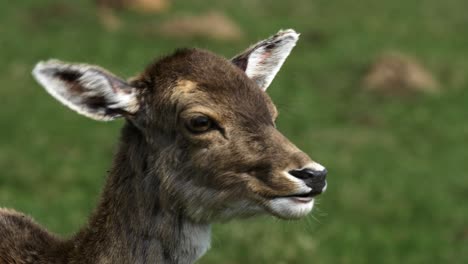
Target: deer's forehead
[
  {"x": 183, "y": 90},
  {"x": 223, "y": 99}
]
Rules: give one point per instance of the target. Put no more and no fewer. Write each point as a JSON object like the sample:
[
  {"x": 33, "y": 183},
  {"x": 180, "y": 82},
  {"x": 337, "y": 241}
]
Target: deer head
[{"x": 212, "y": 147}]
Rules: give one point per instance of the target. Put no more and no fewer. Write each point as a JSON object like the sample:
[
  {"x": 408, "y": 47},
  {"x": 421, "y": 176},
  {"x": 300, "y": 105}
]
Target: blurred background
[{"x": 377, "y": 91}]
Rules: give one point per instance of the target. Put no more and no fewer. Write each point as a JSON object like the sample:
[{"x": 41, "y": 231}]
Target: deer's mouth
[
  {"x": 290, "y": 207},
  {"x": 303, "y": 196},
  {"x": 307, "y": 196},
  {"x": 293, "y": 206}
]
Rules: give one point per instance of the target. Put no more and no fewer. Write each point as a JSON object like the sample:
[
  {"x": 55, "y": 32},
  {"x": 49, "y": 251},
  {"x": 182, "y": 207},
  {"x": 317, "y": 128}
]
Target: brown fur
[{"x": 166, "y": 182}]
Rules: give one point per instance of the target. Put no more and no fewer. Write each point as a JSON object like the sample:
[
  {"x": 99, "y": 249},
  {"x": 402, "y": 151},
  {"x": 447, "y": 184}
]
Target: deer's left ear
[
  {"x": 262, "y": 61},
  {"x": 87, "y": 89}
]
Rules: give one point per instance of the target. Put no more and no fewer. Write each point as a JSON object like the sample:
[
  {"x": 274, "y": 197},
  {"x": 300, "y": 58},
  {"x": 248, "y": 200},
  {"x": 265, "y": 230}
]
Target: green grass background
[{"x": 398, "y": 183}]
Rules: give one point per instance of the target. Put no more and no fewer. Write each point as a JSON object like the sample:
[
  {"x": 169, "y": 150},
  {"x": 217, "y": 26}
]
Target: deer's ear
[
  {"x": 88, "y": 90},
  {"x": 262, "y": 61}
]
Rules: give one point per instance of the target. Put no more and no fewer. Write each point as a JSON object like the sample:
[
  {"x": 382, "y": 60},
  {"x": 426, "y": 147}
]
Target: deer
[{"x": 199, "y": 146}]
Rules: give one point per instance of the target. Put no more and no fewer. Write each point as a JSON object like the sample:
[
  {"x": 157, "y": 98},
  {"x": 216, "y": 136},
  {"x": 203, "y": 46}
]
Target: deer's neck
[{"x": 131, "y": 224}]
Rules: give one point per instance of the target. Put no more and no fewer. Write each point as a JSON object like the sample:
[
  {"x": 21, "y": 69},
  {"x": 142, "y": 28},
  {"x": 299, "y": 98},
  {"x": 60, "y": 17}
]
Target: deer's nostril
[
  {"x": 309, "y": 174},
  {"x": 315, "y": 179},
  {"x": 301, "y": 174}
]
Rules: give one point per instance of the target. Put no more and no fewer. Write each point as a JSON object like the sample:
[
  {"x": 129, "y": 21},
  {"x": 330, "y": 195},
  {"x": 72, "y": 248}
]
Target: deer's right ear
[
  {"x": 88, "y": 90},
  {"x": 262, "y": 61}
]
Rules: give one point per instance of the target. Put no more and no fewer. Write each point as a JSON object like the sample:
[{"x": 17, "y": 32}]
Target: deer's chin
[{"x": 290, "y": 207}]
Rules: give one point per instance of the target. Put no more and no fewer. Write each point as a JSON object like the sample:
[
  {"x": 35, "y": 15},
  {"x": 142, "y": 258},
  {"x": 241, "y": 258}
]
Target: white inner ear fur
[
  {"x": 265, "y": 58},
  {"x": 91, "y": 83}
]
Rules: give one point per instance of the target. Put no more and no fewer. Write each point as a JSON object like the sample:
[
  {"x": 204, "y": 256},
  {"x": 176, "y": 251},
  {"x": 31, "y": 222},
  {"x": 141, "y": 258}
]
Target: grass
[{"x": 397, "y": 185}]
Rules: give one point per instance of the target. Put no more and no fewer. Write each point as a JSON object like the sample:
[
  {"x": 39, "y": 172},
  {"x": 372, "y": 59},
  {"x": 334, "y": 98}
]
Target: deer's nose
[
  {"x": 307, "y": 174},
  {"x": 315, "y": 179}
]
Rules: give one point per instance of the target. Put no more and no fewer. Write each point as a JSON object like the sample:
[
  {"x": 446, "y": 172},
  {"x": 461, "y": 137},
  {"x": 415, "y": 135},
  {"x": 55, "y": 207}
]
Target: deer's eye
[{"x": 199, "y": 124}]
